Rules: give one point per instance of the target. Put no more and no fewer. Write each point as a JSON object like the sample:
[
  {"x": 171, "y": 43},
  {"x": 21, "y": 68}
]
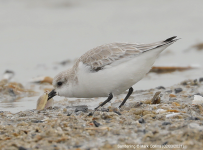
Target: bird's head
[{"x": 60, "y": 82}]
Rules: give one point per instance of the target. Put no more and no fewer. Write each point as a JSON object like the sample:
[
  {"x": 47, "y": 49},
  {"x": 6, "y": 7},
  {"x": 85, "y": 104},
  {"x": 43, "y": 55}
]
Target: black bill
[{"x": 51, "y": 94}]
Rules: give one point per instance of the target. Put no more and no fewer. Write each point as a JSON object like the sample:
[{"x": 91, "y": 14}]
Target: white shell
[{"x": 197, "y": 99}]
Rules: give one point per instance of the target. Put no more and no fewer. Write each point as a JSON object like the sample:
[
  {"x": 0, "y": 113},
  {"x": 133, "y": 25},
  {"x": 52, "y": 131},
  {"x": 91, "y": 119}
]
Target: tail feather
[{"x": 170, "y": 39}]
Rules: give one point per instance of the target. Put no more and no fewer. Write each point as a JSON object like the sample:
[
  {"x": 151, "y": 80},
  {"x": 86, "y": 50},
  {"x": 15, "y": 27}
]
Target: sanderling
[{"x": 108, "y": 70}]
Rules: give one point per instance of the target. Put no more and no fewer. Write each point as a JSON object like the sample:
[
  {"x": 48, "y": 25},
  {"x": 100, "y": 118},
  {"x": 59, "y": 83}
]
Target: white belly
[{"x": 114, "y": 79}]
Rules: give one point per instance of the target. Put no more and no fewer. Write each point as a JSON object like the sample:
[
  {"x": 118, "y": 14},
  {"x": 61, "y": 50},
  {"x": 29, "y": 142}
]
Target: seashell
[
  {"x": 172, "y": 115},
  {"x": 41, "y": 102},
  {"x": 42, "y": 79},
  {"x": 197, "y": 100}
]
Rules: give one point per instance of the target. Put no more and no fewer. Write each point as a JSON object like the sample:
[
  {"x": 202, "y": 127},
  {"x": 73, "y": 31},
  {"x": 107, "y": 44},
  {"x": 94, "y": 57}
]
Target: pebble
[
  {"x": 166, "y": 123},
  {"x": 178, "y": 90},
  {"x": 69, "y": 113},
  {"x": 200, "y": 79},
  {"x": 96, "y": 123},
  {"x": 160, "y": 87},
  {"x": 82, "y": 108},
  {"x": 21, "y": 148},
  {"x": 141, "y": 120}
]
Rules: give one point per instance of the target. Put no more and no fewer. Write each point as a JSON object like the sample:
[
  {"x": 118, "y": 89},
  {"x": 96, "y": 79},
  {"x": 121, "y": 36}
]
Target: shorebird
[{"x": 108, "y": 70}]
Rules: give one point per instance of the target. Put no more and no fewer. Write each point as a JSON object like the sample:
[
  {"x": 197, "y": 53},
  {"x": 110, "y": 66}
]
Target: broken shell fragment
[
  {"x": 41, "y": 102},
  {"x": 156, "y": 99}
]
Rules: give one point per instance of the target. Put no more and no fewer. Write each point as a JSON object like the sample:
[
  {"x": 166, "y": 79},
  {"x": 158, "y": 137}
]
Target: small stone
[
  {"x": 141, "y": 120},
  {"x": 96, "y": 123},
  {"x": 22, "y": 148},
  {"x": 160, "y": 87},
  {"x": 178, "y": 90},
  {"x": 166, "y": 123},
  {"x": 172, "y": 99},
  {"x": 37, "y": 121},
  {"x": 104, "y": 109},
  {"x": 83, "y": 109},
  {"x": 69, "y": 113},
  {"x": 169, "y": 91},
  {"x": 200, "y": 79},
  {"x": 90, "y": 114}
]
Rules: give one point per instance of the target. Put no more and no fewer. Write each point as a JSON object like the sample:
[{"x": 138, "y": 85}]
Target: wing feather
[{"x": 103, "y": 55}]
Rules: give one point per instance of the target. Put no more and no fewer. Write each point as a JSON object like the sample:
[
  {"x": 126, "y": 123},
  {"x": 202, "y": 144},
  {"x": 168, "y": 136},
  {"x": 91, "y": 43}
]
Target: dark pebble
[
  {"x": 138, "y": 104},
  {"x": 141, "y": 120},
  {"x": 200, "y": 79},
  {"x": 69, "y": 113},
  {"x": 166, "y": 123},
  {"x": 194, "y": 118},
  {"x": 172, "y": 99},
  {"x": 160, "y": 87},
  {"x": 83, "y": 109},
  {"x": 37, "y": 121},
  {"x": 169, "y": 91},
  {"x": 96, "y": 123},
  {"x": 165, "y": 143},
  {"x": 178, "y": 90},
  {"x": 90, "y": 114},
  {"x": 22, "y": 148},
  {"x": 117, "y": 112}
]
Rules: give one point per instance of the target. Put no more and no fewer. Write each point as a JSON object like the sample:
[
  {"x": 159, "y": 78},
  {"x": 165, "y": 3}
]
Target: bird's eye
[{"x": 59, "y": 83}]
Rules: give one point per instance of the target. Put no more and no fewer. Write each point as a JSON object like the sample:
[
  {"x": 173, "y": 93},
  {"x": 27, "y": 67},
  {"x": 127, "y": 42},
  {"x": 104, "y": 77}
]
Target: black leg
[
  {"x": 106, "y": 101},
  {"x": 127, "y": 96},
  {"x": 102, "y": 104}
]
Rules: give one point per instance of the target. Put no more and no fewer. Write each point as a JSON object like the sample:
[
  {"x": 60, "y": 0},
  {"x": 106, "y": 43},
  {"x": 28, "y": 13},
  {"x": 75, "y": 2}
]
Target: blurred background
[{"x": 44, "y": 37}]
